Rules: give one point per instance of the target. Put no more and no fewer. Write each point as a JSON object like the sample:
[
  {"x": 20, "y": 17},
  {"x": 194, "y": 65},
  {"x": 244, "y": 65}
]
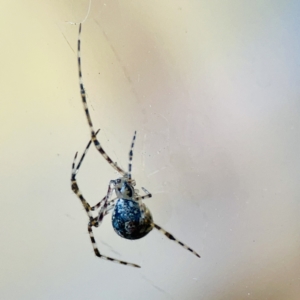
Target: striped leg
[
  {"x": 83, "y": 97},
  {"x": 131, "y": 155},
  {"x": 85, "y": 204},
  {"x": 88, "y": 208},
  {"x": 97, "y": 252},
  {"x": 171, "y": 237},
  {"x": 75, "y": 170},
  {"x": 93, "y": 208},
  {"x": 139, "y": 198},
  {"x": 74, "y": 184},
  {"x": 148, "y": 195},
  {"x": 76, "y": 190},
  {"x": 106, "y": 202},
  {"x": 111, "y": 202},
  {"x": 110, "y": 207}
]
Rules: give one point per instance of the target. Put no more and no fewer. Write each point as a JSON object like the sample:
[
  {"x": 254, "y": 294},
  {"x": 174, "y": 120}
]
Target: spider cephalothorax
[
  {"x": 124, "y": 188},
  {"x": 131, "y": 219}
]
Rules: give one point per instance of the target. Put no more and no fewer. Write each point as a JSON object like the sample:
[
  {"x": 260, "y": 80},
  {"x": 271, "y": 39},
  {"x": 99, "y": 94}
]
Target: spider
[{"x": 131, "y": 219}]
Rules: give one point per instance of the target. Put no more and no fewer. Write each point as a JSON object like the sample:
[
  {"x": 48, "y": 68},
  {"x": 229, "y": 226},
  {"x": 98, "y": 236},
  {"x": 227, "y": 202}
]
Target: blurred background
[{"x": 212, "y": 87}]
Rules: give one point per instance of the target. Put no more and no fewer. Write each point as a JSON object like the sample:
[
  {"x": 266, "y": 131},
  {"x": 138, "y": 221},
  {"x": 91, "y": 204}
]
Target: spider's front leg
[
  {"x": 87, "y": 113},
  {"x": 74, "y": 185}
]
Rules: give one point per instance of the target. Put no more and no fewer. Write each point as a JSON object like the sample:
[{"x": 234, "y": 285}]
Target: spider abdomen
[{"x": 130, "y": 221}]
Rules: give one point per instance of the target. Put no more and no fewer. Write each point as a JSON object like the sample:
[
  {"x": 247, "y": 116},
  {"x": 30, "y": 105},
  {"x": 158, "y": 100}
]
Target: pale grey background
[{"x": 212, "y": 88}]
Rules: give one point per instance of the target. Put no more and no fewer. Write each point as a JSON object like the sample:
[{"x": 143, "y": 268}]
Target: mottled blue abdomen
[{"x": 128, "y": 220}]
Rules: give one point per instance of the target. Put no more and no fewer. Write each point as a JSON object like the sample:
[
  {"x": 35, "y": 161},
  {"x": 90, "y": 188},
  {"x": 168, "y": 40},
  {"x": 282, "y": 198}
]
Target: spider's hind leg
[
  {"x": 171, "y": 237},
  {"x": 92, "y": 223}
]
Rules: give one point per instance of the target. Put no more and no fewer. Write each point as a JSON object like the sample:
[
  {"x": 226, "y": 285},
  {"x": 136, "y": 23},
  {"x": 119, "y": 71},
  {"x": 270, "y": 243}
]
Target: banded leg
[
  {"x": 85, "y": 204},
  {"x": 110, "y": 207},
  {"x": 96, "y": 206},
  {"x": 171, "y": 237},
  {"x": 148, "y": 195},
  {"x": 74, "y": 184},
  {"x": 97, "y": 252},
  {"x": 83, "y": 97},
  {"x": 75, "y": 170},
  {"x": 76, "y": 190},
  {"x": 130, "y": 156},
  {"x": 110, "y": 204},
  {"x": 106, "y": 202},
  {"x": 139, "y": 198},
  {"x": 93, "y": 208}
]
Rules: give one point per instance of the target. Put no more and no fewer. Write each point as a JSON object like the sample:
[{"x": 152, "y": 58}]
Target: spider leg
[
  {"x": 76, "y": 190},
  {"x": 148, "y": 195},
  {"x": 74, "y": 184},
  {"x": 131, "y": 156},
  {"x": 95, "y": 223},
  {"x": 106, "y": 202},
  {"x": 87, "y": 113},
  {"x": 139, "y": 198},
  {"x": 171, "y": 237},
  {"x": 111, "y": 202},
  {"x": 136, "y": 197},
  {"x": 75, "y": 170},
  {"x": 109, "y": 209}
]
